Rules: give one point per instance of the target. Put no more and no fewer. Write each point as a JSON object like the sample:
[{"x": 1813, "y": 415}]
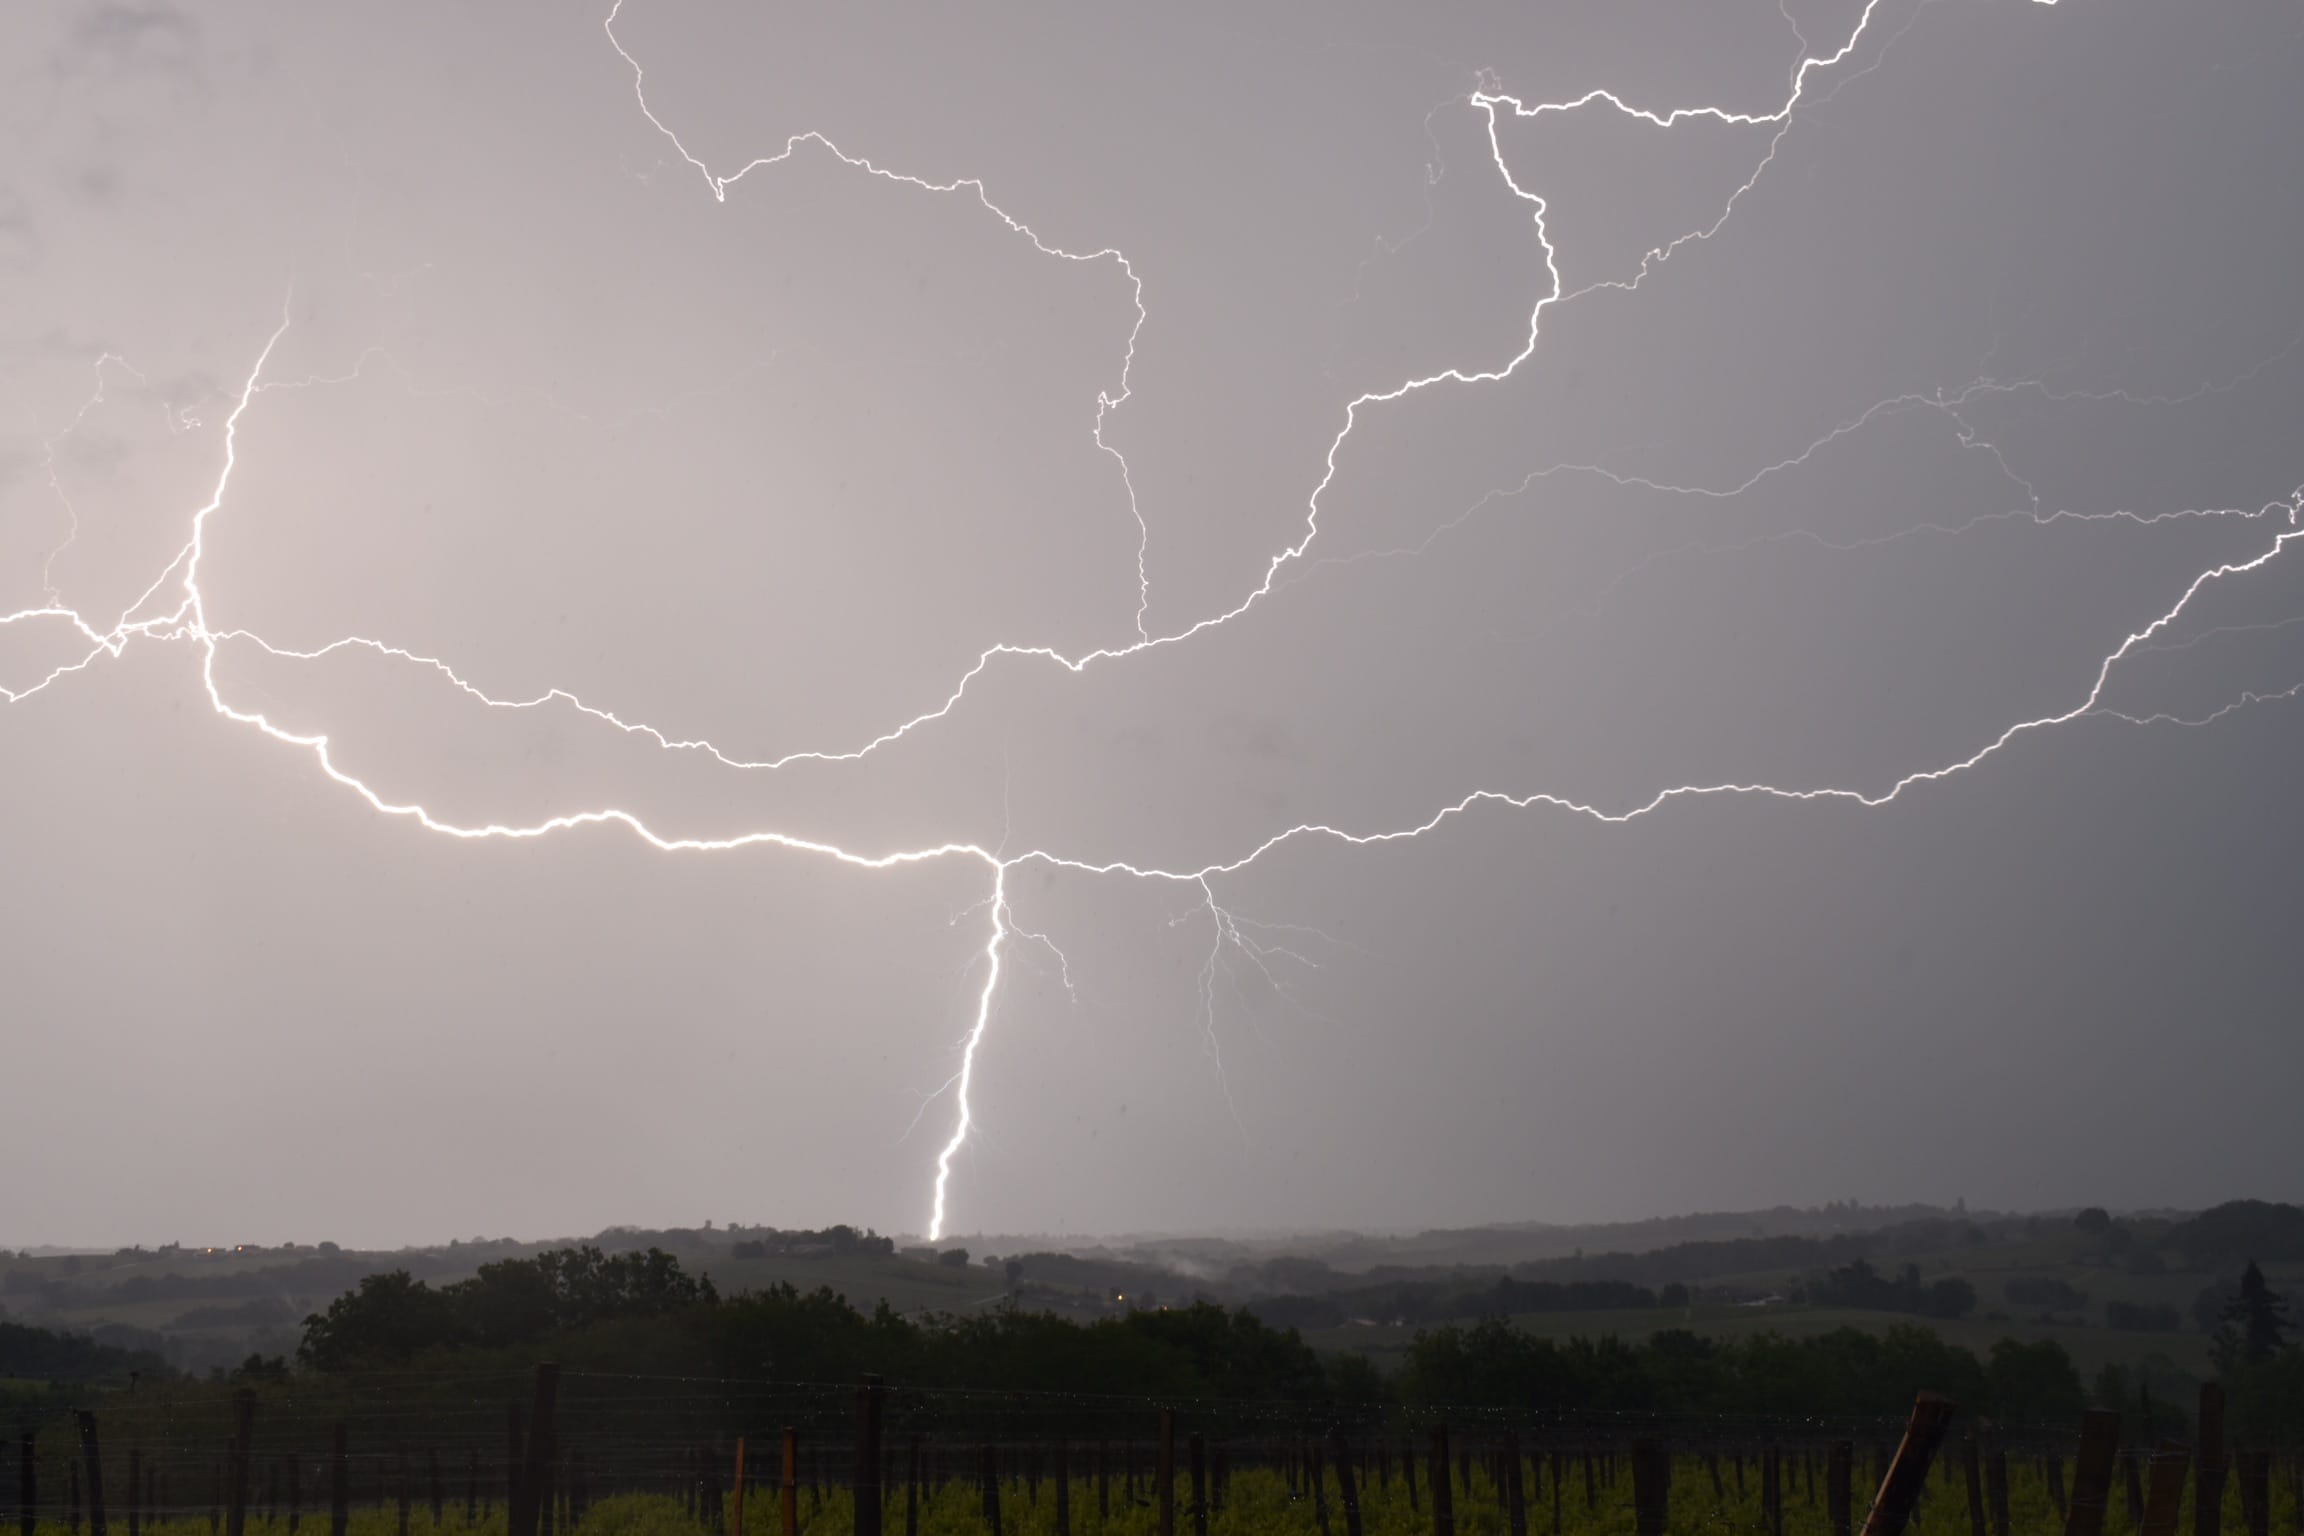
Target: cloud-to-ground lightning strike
[{"x": 188, "y": 620}]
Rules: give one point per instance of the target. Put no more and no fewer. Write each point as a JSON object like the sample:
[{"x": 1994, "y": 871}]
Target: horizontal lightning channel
[{"x": 188, "y": 620}]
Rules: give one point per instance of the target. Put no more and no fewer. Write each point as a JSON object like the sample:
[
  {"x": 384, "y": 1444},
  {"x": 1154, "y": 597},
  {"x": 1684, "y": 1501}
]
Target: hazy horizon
[{"x": 1000, "y": 1241}]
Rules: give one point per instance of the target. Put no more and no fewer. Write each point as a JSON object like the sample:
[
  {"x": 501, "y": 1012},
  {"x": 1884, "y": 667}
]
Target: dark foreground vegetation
[
  {"x": 1378, "y": 1485},
  {"x": 2144, "y": 1291},
  {"x": 642, "y": 1314},
  {"x": 627, "y": 1386}
]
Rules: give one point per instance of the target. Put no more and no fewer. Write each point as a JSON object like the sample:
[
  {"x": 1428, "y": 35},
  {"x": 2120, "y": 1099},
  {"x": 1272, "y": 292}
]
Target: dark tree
[
  {"x": 2034, "y": 1383},
  {"x": 1858, "y": 1284},
  {"x": 2254, "y": 1323},
  {"x": 2240, "y": 1229},
  {"x": 389, "y": 1318},
  {"x": 392, "y": 1317}
]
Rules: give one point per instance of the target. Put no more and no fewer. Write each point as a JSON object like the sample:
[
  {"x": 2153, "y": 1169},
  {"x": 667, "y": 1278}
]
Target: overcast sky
[{"x": 1836, "y": 435}]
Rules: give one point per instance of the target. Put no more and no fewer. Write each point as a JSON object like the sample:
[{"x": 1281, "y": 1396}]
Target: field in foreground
[{"x": 1267, "y": 1500}]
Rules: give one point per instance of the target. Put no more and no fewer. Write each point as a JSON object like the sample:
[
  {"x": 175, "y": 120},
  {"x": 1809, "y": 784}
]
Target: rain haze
[{"x": 1473, "y": 649}]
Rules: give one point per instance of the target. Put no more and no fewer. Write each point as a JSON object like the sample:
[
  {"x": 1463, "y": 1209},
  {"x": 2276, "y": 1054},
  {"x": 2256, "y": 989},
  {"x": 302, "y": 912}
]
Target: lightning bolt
[
  {"x": 187, "y": 620},
  {"x": 966, "y": 1118}
]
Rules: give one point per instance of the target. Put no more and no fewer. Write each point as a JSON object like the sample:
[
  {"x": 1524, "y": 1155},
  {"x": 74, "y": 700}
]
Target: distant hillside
[
  {"x": 203, "y": 1308},
  {"x": 1502, "y": 1245},
  {"x": 2139, "y": 1285},
  {"x": 2239, "y": 1230},
  {"x": 33, "y": 1360}
]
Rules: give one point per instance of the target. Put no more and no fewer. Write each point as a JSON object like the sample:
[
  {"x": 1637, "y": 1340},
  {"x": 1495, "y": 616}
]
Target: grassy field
[{"x": 1260, "y": 1501}]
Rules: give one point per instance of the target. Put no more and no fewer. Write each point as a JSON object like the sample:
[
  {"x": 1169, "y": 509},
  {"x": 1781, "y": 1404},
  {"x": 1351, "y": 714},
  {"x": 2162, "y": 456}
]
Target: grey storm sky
[{"x": 1956, "y": 379}]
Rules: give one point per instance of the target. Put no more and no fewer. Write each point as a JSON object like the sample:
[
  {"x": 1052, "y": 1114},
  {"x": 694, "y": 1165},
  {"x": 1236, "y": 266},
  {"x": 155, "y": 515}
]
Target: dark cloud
[{"x": 153, "y": 36}]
